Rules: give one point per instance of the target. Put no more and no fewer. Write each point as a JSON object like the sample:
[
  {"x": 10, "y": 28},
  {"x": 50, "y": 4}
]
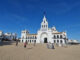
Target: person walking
[
  {"x": 16, "y": 42},
  {"x": 25, "y": 43}
]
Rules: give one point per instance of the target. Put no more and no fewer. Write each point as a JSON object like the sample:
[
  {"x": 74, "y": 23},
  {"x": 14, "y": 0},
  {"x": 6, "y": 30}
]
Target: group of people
[
  {"x": 50, "y": 45},
  {"x": 25, "y": 43}
]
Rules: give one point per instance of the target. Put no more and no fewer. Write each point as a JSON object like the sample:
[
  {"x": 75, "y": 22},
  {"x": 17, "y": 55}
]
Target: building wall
[
  {"x": 10, "y": 36},
  {"x": 59, "y": 38},
  {"x": 45, "y": 34},
  {"x": 29, "y": 38},
  {"x": 1, "y": 36}
]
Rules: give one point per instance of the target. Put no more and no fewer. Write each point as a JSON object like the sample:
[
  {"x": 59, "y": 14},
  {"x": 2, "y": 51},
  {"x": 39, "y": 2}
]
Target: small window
[
  {"x": 57, "y": 36},
  {"x": 35, "y": 37},
  {"x": 57, "y": 41},
  {"x": 60, "y": 41},
  {"x": 35, "y": 41},
  {"x": 44, "y": 21},
  {"x": 61, "y": 36},
  {"x": 54, "y": 41},
  {"x": 54, "y": 37},
  {"x": 30, "y": 41},
  {"x": 44, "y": 26},
  {"x": 22, "y": 40}
]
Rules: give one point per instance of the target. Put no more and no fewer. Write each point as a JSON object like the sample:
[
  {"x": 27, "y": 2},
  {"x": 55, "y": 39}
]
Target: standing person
[
  {"x": 34, "y": 42},
  {"x": 52, "y": 45},
  {"x": 16, "y": 42},
  {"x": 25, "y": 44}
]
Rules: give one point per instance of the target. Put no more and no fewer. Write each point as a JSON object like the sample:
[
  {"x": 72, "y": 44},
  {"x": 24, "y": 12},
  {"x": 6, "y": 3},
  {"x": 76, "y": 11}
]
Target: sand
[{"x": 38, "y": 52}]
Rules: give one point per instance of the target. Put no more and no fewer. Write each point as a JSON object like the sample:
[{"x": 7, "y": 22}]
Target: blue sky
[{"x": 17, "y": 15}]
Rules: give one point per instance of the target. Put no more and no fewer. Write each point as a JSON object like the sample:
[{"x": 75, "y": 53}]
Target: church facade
[{"x": 44, "y": 35}]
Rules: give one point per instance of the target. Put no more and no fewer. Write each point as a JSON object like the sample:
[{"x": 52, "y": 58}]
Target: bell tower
[{"x": 44, "y": 24}]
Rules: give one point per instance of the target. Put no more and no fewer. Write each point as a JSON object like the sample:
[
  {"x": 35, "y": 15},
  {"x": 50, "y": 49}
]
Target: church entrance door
[{"x": 45, "y": 40}]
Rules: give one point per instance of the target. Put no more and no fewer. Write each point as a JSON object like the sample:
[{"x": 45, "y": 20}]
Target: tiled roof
[
  {"x": 57, "y": 33},
  {"x": 31, "y": 34}
]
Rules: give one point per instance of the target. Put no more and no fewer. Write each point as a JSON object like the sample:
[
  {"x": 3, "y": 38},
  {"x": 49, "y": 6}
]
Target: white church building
[{"x": 44, "y": 35}]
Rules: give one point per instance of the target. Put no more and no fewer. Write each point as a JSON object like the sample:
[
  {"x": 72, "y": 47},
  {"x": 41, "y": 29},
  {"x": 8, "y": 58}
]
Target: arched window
[
  {"x": 44, "y": 26},
  {"x": 57, "y": 41},
  {"x": 61, "y": 41},
  {"x": 54, "y": 37},
  {"x": 54, "y": 41},
  {"x": 30, "y": 41},
  {"x": 22, "y": 40},
  {"x": 57, "y": 36},
  {"x": 44, "y": 21},
  {"x": 35, "y": 37},
  {"x": 35, "y": 41},
  {"x": 61, "y": 36}
]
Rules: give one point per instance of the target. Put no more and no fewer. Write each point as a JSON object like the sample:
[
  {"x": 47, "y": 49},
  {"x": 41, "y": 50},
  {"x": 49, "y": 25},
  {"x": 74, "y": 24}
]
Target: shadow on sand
[{"x": 6, "y": 43}]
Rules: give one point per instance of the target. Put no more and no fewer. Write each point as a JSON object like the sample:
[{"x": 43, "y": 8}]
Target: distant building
[
  {"x": 25, "y": 35},
  {"x": 73, "y": 42},
  {"x": 45, "y": 35},
  {"x": 1, "y": 35},
  {"x": 10, "y": 36},
  {"x": 7, "y": 36}
]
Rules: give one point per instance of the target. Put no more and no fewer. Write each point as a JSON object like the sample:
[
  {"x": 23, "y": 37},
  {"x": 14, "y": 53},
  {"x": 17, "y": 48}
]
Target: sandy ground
[{"x": 39, "y": 52}]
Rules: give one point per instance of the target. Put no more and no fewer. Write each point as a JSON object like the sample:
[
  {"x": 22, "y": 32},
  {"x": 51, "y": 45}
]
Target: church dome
[{"x": 53, "y": 28}]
